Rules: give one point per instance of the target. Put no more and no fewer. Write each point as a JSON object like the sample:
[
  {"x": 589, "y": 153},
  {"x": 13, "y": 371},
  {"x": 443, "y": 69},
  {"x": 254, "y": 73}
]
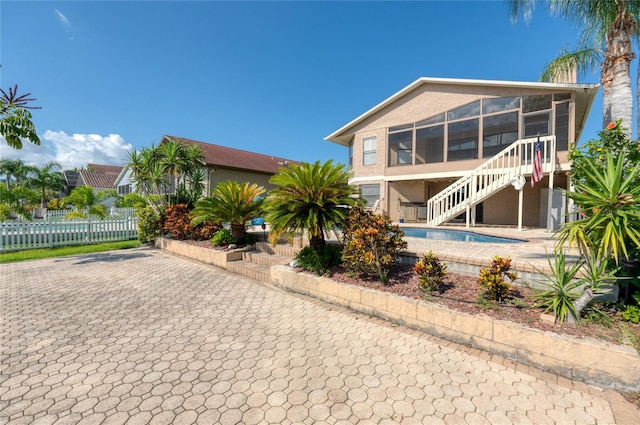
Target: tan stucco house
[
  {"x": 223, "y": 163},
  {"x": 449, "y": 149}
]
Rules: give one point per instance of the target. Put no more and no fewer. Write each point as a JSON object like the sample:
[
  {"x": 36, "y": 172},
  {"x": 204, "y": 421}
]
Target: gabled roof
[
  {"x": 99, "y": 180},
  {"x": 238, "y": 159},
  {"x": 102, "y": 168},
  {"x": 585, "y": 94}
]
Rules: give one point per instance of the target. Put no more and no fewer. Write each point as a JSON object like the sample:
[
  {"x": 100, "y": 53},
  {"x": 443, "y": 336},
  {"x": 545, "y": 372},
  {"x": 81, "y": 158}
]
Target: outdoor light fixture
[{"x": 518, "y": 182}]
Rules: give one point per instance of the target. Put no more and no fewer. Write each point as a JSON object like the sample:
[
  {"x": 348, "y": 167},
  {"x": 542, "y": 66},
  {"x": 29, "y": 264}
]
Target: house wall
[
  {"x": 217, "y": 175},
  {"x": 426, "y": 101}
]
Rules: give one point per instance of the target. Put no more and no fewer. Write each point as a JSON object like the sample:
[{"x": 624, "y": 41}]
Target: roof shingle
[{"x": 236, "y": 158}]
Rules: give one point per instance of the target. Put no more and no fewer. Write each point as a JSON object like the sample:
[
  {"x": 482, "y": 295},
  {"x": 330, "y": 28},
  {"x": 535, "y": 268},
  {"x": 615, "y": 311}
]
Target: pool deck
[{"x": 529, "y": 256}]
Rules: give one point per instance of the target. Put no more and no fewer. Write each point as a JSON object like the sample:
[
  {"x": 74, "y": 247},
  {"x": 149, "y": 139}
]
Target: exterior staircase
[
  {"x": 489, "y": 178},
  {"x": 257, "y": 264}
]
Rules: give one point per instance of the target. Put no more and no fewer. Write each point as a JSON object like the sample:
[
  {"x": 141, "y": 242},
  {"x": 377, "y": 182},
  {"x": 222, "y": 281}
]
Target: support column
[
  {"x": 552, "y": 146},
  {"x": 520, "y": 202}
]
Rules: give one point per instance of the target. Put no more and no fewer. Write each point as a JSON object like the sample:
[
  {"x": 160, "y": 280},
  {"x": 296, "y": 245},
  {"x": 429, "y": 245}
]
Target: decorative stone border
[
  {"x": 207, "y": 256},
  {"x": 597, "y": 362}
]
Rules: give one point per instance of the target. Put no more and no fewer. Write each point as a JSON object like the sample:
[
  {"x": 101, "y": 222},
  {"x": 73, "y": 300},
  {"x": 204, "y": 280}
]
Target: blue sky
[{"x": 270, "y": 77}]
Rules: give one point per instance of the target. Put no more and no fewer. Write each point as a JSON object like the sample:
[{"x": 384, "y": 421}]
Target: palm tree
[
  {"x": 310, "y": 197},
  {"x": 16, "y": 170},
  {"x": 173, "y": 161},
  {"x": 47, "y": 178},
  {"x": 607, "y": 27},
  {"x": 230, "y": 202}
]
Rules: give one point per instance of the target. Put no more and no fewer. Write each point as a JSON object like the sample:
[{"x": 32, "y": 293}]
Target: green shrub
[
  {"x": 130, "y": 200},
  {"x": 176, "y": 222},
  {"x": 55, "y": 204},
  {"x": 75, "y": 215},
  {"x": 320, "y": 261},
  {"x": 222, "y": 237},
  {"x": 372, "y": 244},
  {"x": 430, "y": 272},
  {"x": 99, "y": 211},
  {"x": 493, "y": 281},
  {"x": 149, "y": 225},
  {"x": 631, "y": 313},
  {"x": 249, "y": 239},
  {"x": 5, "y": 212}
]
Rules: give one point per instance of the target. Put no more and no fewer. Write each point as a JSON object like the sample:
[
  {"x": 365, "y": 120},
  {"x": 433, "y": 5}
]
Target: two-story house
[{"x": 449, "y": 149}]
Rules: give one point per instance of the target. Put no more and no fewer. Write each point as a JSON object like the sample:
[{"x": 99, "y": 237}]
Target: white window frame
[{"x": 369, "y": 150}]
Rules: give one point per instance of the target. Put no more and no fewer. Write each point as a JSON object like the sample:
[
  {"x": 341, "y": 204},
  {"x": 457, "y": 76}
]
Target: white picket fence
[{"x": 54, "y": 230}]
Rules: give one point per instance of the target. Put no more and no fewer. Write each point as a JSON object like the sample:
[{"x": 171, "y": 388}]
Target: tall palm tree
[
  {"x": 47, "y": 178},
  {"x": 14, "y": 170},
  {"x": 310, "y": 197},
  {"x": 607, "y": 28},
  {"x": 173, "y": 161},
  {"x": 230, "y": 202}
]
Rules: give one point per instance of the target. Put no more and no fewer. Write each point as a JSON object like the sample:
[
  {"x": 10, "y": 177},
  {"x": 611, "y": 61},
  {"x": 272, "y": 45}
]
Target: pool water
[{"x": 455, "y": 235}]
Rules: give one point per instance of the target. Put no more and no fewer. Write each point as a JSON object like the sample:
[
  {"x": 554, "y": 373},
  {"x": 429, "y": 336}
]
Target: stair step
[
  {"x": 283, "y": 250},
  {"x": 265, "y": 259},
  {"x": 251, "y": 270}
]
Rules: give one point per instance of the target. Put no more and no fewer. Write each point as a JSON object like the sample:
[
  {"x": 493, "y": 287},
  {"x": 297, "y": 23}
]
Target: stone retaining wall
[
  {"x": 597, "y": 362},
  {"x": 207, "y": 256}
]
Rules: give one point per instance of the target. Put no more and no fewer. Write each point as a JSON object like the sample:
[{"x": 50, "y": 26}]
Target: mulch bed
[{"x": 462, "y": 293}]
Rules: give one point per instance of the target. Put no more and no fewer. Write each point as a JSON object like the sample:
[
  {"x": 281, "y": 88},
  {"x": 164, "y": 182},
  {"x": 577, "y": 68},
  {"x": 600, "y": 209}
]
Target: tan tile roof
[
  {"x": 223, "y": 156},
  {"x": 101, "y": 168},
  {"x": 99, "y": 180}
]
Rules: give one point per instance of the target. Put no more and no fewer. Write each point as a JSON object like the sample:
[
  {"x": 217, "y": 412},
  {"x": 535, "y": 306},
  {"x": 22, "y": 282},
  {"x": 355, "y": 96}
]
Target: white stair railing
[{"x": 489, "y": 178}]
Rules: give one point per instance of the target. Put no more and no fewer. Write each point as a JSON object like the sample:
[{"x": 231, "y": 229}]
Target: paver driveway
[{"x": 141, "y": 336}]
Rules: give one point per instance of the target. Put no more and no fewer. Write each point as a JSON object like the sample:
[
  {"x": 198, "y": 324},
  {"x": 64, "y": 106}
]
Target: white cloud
[
  {"x": 70, "y": 151},
  {"x": 65, "y": 22}
]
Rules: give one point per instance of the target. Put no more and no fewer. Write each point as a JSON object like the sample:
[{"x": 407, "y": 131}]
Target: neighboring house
[
  {"x": 448, "y": 149},
  {"x": 98, "y": 176},
  {"x": 223, "y": 163}
]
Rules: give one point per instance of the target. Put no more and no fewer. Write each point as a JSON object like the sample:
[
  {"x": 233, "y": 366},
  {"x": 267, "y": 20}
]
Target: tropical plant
[
  {"x": 319, "y": 262},
  {"x": 563, "y": 285},
  {"x": 47, "y": 178},
  {"x": 610, "y": 207},
  {"x": 16, "y": 171},
  {"x": 430, "y": 271},
  {"x": 82, "y": 198},
  {"x": 371, "y": 244},
  {"x": 230, "y": 202},
  {"x": 19, "y": 199},
  {"x": 222, "y": 237},
  {"x": 631, "y": 313},
  {"x": 171, "y": 166},
  {"x": 5, "y": 212},
  {"x": 131, "y": 200},
  {"x": 176, "y": 222},
  {"x": 495, "y": 281},
  {"x": 149, "y": 225},
  {"x": 607, "y": 28},
  {"x": 611, "y": 139},
  {"x": 15, "y": 118},
  {"x": 309, "y": 197},
  {"x": 596, "y": 272}
]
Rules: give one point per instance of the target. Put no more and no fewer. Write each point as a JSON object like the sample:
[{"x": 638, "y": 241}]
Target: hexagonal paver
[{"x": 144, "y": 337}]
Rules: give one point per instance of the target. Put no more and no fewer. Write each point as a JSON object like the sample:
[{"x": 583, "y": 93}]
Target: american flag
[{"x": 536, "y": 175}]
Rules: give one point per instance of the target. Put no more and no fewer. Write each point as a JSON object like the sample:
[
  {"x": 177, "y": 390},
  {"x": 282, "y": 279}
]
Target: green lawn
[{"x": 35, "y": 254}]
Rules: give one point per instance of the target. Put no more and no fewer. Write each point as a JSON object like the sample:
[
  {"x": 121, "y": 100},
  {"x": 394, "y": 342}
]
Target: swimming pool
[{"x": 455, "y": 235}]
